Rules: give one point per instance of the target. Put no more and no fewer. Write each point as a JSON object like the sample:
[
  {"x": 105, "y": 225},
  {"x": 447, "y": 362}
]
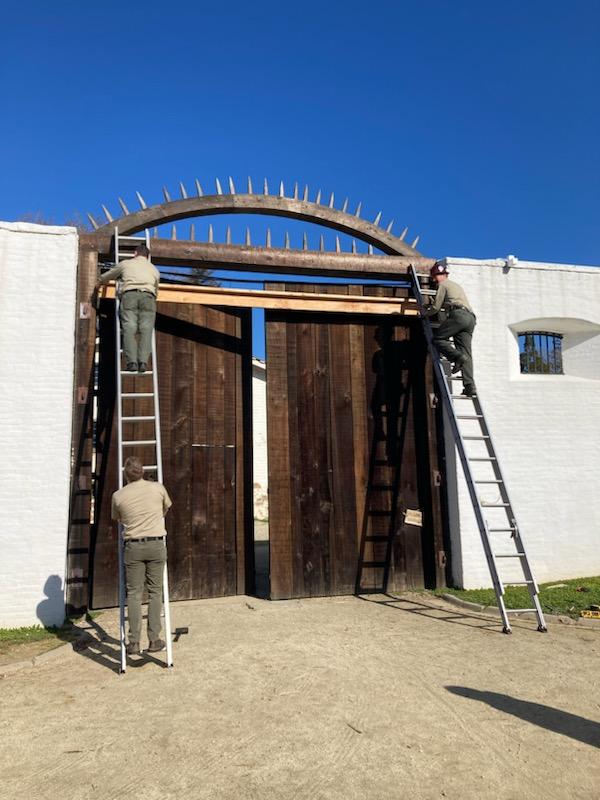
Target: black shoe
[
  {"x": 469, "y": 391},
  {"x": 458, "y": 365},
  {"x": 142, "y": 366},
  {"x": 133, "y": 649},
  {"x": 132, "y": 366},
  {"x": 156, "y": 646}
]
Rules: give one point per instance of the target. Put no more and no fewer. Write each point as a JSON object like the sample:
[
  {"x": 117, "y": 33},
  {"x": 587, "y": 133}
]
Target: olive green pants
[
  {"x": 138, "y": 312},
  {"x": 144, "y": 564}
]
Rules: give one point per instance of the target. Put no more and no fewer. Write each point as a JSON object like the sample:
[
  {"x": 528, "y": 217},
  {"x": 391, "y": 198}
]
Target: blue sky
[{"x": 476, "y": 124}]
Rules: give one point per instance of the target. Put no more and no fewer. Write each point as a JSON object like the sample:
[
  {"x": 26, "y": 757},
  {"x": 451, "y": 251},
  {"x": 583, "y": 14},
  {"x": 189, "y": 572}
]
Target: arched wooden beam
[{"x": 259, "y": 204}]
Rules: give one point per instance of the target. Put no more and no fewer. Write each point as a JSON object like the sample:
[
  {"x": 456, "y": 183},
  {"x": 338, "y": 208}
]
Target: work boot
[
  {"x": 458, "y": 364},
  {"x": 132, "y": 366},
  {"x": 156, "y": 646},
  {"x": 469, "y": 391},
  {"x": 133, "y": 649},
  {"x": 142, "y": 366}
]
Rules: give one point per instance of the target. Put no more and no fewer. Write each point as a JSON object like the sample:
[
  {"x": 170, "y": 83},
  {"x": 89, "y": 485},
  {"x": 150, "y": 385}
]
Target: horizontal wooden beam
[
  {"x": 205, "y": 255},
  {"x": 276, "y": 299}
]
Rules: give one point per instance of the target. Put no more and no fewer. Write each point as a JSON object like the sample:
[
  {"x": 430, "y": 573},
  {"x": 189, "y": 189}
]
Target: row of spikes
[
  {"x": 232, "y": 190},
  {"x": 268, "y": 239}
]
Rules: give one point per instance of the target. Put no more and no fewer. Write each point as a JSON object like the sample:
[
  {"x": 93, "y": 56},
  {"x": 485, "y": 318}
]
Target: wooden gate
[
  {"x": 352, "y": 446},
  {"x": 205, "y": 374}
]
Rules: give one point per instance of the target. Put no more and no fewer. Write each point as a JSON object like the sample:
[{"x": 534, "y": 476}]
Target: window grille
[{"x": 540, "y": 353}]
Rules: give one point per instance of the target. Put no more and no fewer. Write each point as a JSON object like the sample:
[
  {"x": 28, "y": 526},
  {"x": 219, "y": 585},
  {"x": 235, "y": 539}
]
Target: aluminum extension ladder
[
  {"x": 124, "y": 247},
  {"x": 503, "y": 518}
]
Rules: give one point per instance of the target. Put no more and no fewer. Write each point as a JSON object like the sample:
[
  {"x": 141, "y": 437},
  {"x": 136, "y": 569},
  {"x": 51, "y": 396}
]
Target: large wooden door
[
  {"x": 205, "y": 373},
  {"x": 351, "y": 446}
]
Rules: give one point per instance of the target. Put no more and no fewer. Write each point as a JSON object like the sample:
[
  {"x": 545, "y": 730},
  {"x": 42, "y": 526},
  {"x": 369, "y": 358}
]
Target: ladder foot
[
  {"x": 506, "y": 629},
  {"x": 542, "y": 629}
]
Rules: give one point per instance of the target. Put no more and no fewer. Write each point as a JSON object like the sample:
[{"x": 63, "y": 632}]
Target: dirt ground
[{"x": 312, "y": 700}]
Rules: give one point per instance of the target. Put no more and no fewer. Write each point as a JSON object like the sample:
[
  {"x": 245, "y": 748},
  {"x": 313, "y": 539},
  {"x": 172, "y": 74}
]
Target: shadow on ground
[{"x": 553, "y": 719}]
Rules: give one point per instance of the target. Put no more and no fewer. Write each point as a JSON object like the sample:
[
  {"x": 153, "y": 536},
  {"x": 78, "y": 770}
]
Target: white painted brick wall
[
  {"x": 259, "y": 452},
  {"x": 38, "y": 266},
  {"x": 545, "y": 428}
]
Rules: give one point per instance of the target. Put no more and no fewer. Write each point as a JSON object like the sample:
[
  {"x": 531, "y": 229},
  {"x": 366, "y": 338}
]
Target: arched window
[{"x": 540, "y": 353}]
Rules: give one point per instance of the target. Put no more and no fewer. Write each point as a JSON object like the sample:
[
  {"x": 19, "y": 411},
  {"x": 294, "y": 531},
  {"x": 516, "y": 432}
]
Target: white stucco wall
[
  {"x": 38, "y": 266},
  {"x": 545, "y": 427},
  {"x": 259, "y": 439}
]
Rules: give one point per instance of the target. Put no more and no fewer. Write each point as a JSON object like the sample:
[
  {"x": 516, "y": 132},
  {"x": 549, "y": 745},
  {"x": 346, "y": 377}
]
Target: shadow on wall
[
  {"x": 51, "y": 611},
  {"x": 553, "y": 719}
]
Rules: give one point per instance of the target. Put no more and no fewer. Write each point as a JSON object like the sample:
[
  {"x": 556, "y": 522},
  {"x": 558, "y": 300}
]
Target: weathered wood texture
[
  {"x": 204, "y": 363},
  {"x": 348, "y": 420},
  {"x": 78, "y": 546},
  {"x": 247, "y": 258}
]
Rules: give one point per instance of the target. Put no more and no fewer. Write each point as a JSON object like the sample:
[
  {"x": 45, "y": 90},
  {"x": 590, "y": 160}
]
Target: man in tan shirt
[
  {"x": 458, "y": 324},
  {"x": 140, "y": 507},
  {"x": 139, "y": 286}
]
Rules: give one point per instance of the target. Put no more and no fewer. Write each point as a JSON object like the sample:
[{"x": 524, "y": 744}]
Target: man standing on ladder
[
  {"x": 140, "y": 506},
  {"x": 458, "y": 324},
  {"x": 139, "y": 280}
]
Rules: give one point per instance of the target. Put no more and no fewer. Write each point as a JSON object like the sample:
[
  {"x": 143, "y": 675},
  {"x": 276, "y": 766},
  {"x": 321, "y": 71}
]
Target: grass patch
[
  {"x": 569, "y": 598},
  {"x": 67, "y": 632}
]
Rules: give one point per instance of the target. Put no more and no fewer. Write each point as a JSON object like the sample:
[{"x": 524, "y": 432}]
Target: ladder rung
[
  {"x": 126, "y": 255},
  {"x": 376, "y": 564},
  {"x": 460, "y": 397},
  {"x": 149, "y": 467},
  {"x": 135, "y": 419},
  {"x": 469, "y": 416},
  {"x": 520, "y": 610},
  {"x": 482, "y": 458},
  {"x": 494, "y": 505},
  {"x": 132, "y": 239},
  {"x": 141, "y": 441},
  {"x": 135, "y": 372},
  {"x": 492, "y": 480},
  {"x": 475, "y": 438},
  {"x": 518, "y": 583},
  {"x": 501, "y": 530},
  {"x": 137, "y": 394},
  {"x": 509, "y": 555}
]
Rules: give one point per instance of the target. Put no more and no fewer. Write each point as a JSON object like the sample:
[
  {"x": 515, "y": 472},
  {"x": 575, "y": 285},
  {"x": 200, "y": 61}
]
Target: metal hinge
[
  {"x": 85, "y": 310},
  {"x": 441, "y": 558}
]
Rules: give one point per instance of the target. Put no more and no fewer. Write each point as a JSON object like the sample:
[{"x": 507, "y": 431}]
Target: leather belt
[{"x": 147, "y": 539}]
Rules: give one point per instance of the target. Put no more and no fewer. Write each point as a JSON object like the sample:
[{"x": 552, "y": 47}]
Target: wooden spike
[
  {"x": 377, "y": 219},
  {"x": 218, "y": 185},
  {"x": 248, "y": 239},
  {"x": 305, "y": 194},
  {"x": 389, "y": 227},
  {"x": 370, "y": 249},
  {"x": 250, "y": 190},
  {"x": 174, "y": 233},
  {"x": 321, "y": 243},
  {"x": 183, "y": 191},
  {"x": 304, "y": 241},
  {"x": 107, "y": 214},
  {"x": 296, "y": 190},
  {"x": 166, "y": 194},
  {"x": 95, "y": 225},
  {"x": 404, "y": 232},
  {"x": 268, "y": 239},
  {"x": 123, "y": 206},
  {"x": 345, "y": 206},
  {"x": 141, "y": 201},
  {"x": 199, "y": 188},
  {"x": 354, "y": 245},
  {"x": 231, "y": 185},
  {"x": 211, "y": 234},
  {"x": 331, "y": 199},
  {"x": 416, "y": 241},
  {"x": 358, "y": 208},
  {"x": 281, "y": 189},
  {"x": 338, "y": 247},
  {"x": 192, "y": 232},
  {"x": 265, "y": 187},
  {"x": 286, "y": 242},
  {"x": 228, "y": 235},
  {"x": 318, "y": 198}
]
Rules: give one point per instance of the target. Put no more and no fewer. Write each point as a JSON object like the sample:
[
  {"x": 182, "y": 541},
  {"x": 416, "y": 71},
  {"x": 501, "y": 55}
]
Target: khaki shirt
[
  {"x": 141, "y": 507},
  {"x": 448, "y": 294},
  {"x": 134, "y": 273}
]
